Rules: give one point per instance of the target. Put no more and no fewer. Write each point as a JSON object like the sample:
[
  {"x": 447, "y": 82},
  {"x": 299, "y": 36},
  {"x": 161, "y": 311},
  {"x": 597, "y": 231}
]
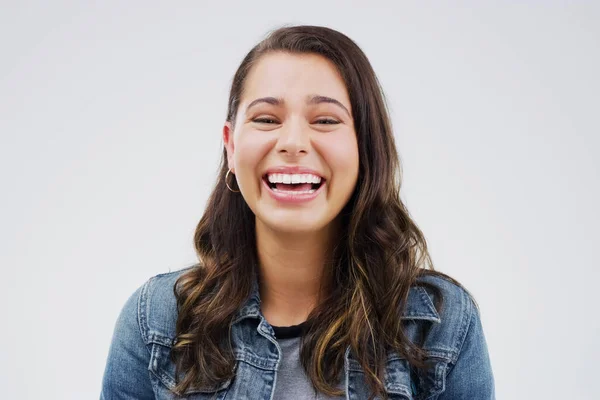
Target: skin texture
[{"x": 293, "y": 240}]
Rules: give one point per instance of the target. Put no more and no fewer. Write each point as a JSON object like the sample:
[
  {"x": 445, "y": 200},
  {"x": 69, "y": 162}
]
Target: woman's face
[{"x": 293, "y": 147}]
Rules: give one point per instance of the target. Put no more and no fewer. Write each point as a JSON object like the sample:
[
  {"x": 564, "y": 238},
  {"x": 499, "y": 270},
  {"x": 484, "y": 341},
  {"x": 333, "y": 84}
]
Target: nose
[{"x": 294, "y": 140}]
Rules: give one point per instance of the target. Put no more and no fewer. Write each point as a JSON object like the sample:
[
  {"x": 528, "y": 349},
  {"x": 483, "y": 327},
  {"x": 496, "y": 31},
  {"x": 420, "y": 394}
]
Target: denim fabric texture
[{"x": 138, "y": 365}]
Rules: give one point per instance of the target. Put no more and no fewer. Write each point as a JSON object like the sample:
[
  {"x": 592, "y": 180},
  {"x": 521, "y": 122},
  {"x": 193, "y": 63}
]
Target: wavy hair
[{"x": 380, "y": 254}]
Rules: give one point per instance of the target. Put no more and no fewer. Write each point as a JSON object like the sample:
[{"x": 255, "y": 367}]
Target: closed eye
[
  {"x": 327, "y": 121},
  {"x": 264, "y": 120}
]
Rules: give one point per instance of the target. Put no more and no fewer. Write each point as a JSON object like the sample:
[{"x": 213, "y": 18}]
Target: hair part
[{"x": 379, "y": 256}]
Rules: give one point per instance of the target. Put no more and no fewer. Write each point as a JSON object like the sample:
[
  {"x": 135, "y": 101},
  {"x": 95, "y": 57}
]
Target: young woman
[{"x": 313, "y": 282}]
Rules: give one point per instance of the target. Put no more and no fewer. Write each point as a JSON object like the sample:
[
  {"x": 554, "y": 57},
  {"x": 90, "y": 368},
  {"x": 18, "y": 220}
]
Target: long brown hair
[{"x": 380, "y": 253}]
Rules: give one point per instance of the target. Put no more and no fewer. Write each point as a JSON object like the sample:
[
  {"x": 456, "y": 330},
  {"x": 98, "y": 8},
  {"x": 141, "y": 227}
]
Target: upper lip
[{"x": 292, "y": 170}]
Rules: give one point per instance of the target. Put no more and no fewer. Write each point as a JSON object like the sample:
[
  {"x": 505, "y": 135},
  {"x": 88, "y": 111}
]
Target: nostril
[{"x": 296, "y": 153}]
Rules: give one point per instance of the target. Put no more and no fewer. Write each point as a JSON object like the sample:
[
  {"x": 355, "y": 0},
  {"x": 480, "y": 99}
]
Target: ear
[{"x": 228, "y": 141}]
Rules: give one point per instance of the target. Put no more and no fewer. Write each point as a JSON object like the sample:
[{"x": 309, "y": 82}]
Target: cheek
[
  {"x": 340, "y": 152},
  {"x": 249, "y": 151}
]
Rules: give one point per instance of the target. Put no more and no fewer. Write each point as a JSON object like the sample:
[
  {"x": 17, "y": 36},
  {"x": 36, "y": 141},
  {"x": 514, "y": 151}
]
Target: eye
[
  {"x": 327, "y": 121},
  {"x": 264, "y": 120}
]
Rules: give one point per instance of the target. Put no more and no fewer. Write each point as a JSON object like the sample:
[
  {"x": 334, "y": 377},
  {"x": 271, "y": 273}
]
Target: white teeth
[
  {"x": 293, "y": 178},
  {"x": 294, "y": 191}
]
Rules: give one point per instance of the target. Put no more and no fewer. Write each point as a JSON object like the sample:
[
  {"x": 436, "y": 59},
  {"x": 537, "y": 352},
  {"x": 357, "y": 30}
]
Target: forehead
[{"x": 293, "y": 77}]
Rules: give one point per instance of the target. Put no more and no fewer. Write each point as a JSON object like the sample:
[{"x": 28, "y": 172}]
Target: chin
[{"x": 295, "y": 224}]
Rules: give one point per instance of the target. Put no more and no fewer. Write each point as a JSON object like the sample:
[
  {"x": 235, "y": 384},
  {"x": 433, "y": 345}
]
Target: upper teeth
[{"x": 294, "y": 178}]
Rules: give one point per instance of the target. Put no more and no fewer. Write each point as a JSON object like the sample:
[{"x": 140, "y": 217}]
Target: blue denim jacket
[{"x": 138, "y": 365}]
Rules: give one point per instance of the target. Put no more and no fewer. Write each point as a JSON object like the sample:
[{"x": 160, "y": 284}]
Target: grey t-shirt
[{"x": 292, "y": 381}]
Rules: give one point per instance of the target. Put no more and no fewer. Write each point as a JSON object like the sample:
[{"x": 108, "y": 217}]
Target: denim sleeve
[
  {"x": 471, "y": 377},
  {"x": 126, "y": 375}
]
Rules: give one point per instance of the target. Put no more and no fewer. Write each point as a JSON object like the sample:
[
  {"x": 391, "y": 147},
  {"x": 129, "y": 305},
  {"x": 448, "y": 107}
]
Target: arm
[
  {"x": 471, "y": 377},
  {"x": 126, "y": 375}
]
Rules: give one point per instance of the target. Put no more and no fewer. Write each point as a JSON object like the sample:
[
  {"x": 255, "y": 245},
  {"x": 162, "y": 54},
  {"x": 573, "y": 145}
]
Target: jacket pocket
[
  {"x": 431, "y": 382},
  {"x": 163, "y": 370},
  {"x": 401, "y": 381},
  {"x": 397, "y": 381}
]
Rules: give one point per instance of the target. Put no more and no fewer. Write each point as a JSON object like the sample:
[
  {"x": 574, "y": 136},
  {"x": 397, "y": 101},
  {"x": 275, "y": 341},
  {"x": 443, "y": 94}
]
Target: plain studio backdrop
[{"x": 110, "y": 122}]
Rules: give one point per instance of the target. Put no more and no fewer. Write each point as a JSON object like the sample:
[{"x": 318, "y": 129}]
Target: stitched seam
[
  {"x": 175, "y": 272},
  {"x": 256, "y": 362},
  {"x": 165, "y": 378},
  {"x": 427, "y": 300},
  {"x": 170, "y": 382},
  {"x": 250, "y": 315},
  {"x": 398, "y": 389},
  {"x": 468, "y": 319},
  {"x": 440, "y": 381},
  {"x": 465, "y": 327},
  {"x": 142, "y": 312},
  {"x": 158, "y": 338},
  {"x": 347, "y": 372},
  {"x": 443, "y": 355}
]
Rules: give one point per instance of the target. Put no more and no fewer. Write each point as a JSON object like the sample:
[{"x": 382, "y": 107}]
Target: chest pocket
[
  {"x": 163, "y": 370},
  {"x": 398, "y": 380},
  {"x": 401, "y": 382}
]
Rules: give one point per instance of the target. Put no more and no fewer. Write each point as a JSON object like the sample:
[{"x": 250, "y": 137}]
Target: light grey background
[{"x": 110, "y": 122}]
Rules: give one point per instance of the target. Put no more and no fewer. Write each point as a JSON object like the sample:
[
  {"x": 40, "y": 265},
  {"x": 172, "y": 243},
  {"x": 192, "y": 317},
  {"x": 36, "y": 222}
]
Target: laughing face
[{"x": 293, "y": 146}]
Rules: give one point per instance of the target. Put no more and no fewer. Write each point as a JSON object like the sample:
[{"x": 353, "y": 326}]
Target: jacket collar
[{"x": 418, "y": 307}]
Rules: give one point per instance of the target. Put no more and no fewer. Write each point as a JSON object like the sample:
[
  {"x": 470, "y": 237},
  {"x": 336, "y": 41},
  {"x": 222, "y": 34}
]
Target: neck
[{"x": 292, "y": 270}]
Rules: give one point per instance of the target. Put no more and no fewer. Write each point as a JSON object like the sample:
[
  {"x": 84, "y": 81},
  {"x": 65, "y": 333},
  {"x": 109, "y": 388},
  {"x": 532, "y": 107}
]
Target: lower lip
[{"x": 291, "y": 197}]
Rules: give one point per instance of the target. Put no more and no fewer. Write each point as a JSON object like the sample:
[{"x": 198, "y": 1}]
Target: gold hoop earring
[{"x": 227, "y": 184}]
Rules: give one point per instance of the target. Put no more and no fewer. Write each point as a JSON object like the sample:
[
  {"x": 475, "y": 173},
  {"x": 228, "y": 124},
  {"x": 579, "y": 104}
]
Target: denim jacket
[{"x": 138, "y": 365}]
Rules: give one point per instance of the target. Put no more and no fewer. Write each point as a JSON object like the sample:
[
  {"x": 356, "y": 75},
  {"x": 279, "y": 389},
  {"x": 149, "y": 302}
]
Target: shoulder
[
  {"x": 157, "y": 307},
  {"x": 458, "y": 341},
  {"x": 455, "y": 309}
]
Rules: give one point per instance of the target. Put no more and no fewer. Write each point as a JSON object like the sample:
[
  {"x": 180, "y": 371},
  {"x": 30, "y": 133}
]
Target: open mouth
[{"x": 296, "y": 184}]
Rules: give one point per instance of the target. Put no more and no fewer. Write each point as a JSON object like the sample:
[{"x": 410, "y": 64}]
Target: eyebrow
[{"x": 316, "y": 99}]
